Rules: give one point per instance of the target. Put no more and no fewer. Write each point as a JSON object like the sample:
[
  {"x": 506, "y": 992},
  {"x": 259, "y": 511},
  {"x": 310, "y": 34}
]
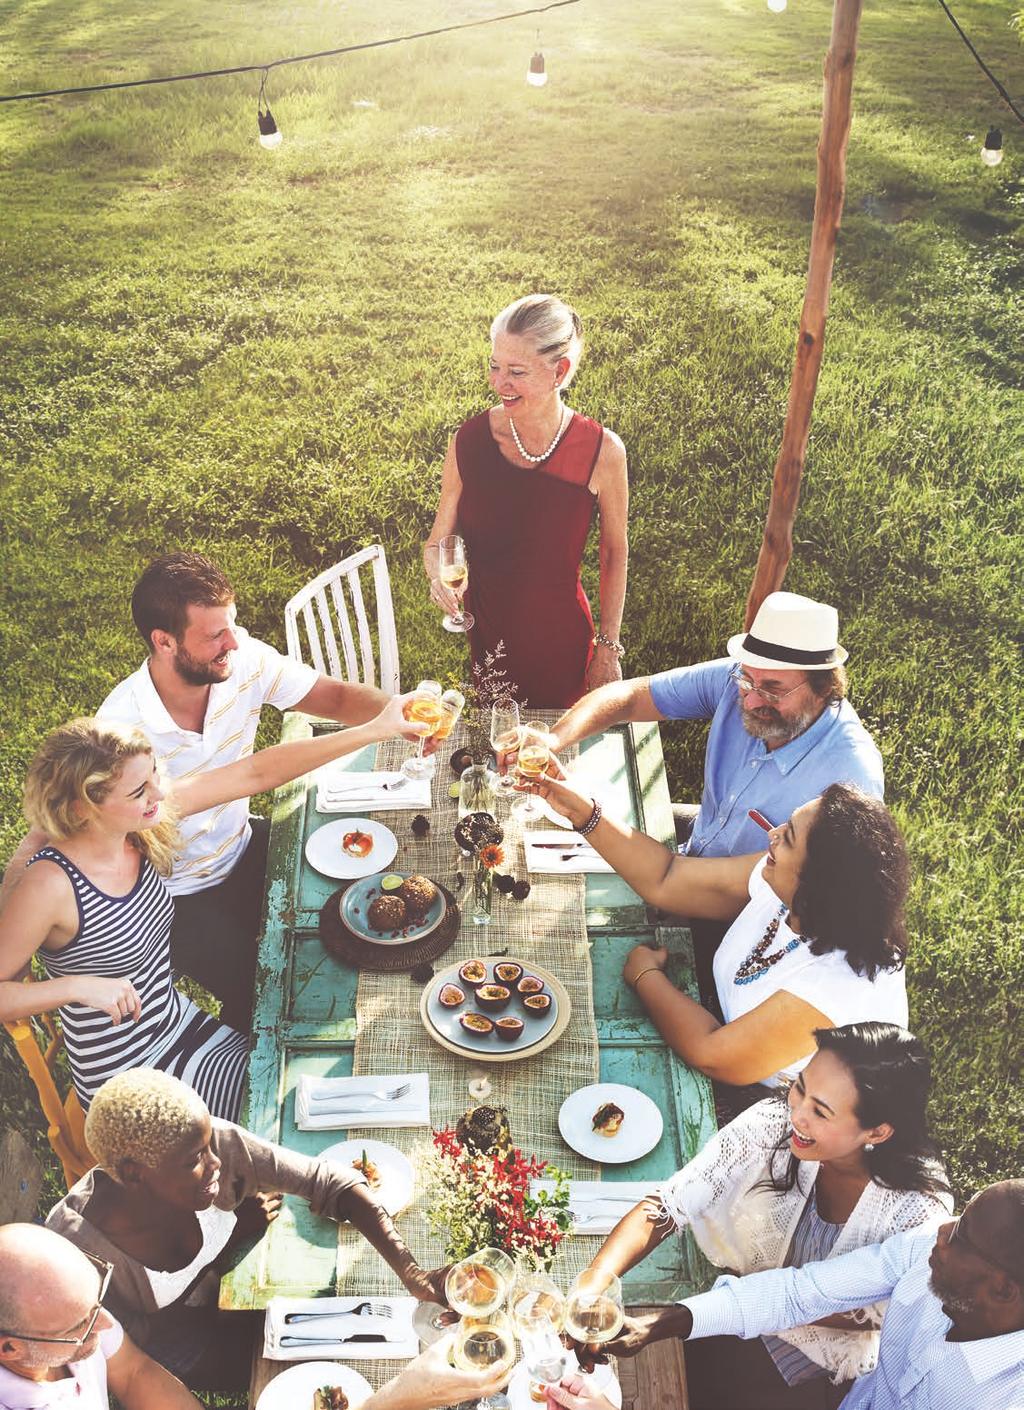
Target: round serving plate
[
  {"x": 538, "y": 1033},
  {"x": 396, "y": 1175},
  {"x": 325, "y": 854},
  {"x": 639, "y": 1133},
  {"x": 355, "y": 904},
  {"x": 295, "y": 1386}
]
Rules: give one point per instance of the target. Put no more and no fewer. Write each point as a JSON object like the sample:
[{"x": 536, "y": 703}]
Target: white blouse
[
  {"x": 826, "y": 982},
  {"x": 217, "y": 1226}
]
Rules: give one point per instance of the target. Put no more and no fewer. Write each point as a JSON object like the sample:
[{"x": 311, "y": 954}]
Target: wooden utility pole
[{"x": 777, "y": 543}]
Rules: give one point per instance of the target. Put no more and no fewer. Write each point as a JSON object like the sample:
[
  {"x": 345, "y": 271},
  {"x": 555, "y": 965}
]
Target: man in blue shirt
[
  {"x": 781, "y": 728},
  {"x": 953, "y": 1332}
]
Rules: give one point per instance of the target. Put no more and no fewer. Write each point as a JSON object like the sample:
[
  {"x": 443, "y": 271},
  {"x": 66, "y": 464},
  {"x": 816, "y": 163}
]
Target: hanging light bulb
[
  {"x": 777, "y": 6},
  {"x": 270, "y": 137},
  {"x": 537, "y": 74},
  {"x": 992, "y": 151}
]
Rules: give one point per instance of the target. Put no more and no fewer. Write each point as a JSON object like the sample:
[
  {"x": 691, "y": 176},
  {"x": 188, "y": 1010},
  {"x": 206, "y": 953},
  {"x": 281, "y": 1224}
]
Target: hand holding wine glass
[
  {"x": 424, "y": 708},
  {"x": 486, "y": 1345},
  {"x": 478, "y": 1284},
  {"x": 506, "y": 736},
  {"x": 531, "y": 764},
  {"x": 453, "y": 570},
  {"x": 594, "y": 1313}
]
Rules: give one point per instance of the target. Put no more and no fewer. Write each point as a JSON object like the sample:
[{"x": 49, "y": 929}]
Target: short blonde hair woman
[
  {"x": 520, "y": 485},
  {"x": 93, "y": 903}
]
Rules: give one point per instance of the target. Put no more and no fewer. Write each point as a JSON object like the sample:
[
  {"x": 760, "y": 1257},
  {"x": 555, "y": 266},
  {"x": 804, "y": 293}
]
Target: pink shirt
[{"x": 84, "y": 1388}]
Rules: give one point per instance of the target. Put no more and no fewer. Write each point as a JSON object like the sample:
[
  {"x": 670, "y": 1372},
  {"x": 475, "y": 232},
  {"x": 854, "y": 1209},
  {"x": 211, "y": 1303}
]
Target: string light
[
  {"x": 992, "y": 151},
  {"x": 270, "y": 137},
  {"x": 537, "y": 74},
  {"x": 777, "y": 6}
]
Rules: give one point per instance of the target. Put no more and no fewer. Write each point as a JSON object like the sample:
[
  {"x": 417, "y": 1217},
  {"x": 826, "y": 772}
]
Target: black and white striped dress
[{"x": 128, "y": 936}]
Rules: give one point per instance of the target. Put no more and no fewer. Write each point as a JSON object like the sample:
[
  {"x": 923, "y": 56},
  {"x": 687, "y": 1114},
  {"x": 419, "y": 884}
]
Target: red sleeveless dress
[{"x": 525, "y": 531}]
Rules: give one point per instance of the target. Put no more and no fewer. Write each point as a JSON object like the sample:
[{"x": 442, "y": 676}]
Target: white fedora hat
[{"x": 790, "y": 631}]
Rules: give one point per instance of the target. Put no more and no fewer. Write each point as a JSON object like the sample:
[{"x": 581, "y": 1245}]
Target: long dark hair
[
  {"x": 853, "y": 883},
  {"x": 892, "y": 1073}
]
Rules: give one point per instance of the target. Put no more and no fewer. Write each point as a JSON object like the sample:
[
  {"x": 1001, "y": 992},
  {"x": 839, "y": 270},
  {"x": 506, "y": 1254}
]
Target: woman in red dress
[{"x": 520, "y": 483}]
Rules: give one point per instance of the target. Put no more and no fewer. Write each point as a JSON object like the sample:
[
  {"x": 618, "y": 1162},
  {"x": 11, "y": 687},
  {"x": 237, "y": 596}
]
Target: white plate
[
  {"x": 294, "y": 1388},
  {"x": 639, "y": 1133},
  {"x": 446, "y": 1021},
  {"x": 324, "y": 851},
  {"x": 395, "y": 1189},
  {"x": 602, "y": 1380}
]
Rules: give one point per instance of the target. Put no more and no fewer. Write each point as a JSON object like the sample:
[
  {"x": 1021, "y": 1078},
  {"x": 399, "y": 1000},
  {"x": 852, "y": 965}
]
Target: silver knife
[
  {"x": 561, "y": 846},
  {"x": 331, "y": 1341}
]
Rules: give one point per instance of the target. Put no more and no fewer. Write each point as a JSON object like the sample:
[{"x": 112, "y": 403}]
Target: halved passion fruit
[
  {"x": 509, "y": 1029},
  {"x": 529, "y": 984},
  {"x": 493, "y": 996},
  {"x": 473, "y": 973},
  {"x": 451, "y": 996},
  {"x": 537, "y": 1003},
  {"x": 476, "y": 1023},
  {"x": 508, "y": 972}
]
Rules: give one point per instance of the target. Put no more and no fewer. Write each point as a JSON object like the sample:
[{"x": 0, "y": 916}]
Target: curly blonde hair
[
  {"x": 141, "y": 1115},
  {"x": 73, "y": 772}
]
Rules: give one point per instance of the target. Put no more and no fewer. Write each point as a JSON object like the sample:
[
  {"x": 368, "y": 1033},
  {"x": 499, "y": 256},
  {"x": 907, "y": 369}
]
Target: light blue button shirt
[
  {"x": 741, "y": 773},
  {"x": 918, "y": 1369}
]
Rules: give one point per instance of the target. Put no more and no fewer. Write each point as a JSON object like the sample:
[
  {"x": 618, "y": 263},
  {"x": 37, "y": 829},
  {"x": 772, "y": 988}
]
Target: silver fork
[
  {"x": 362, "y": 1309},
  {"x": 379, "y": 1094},
  {"x": 391, "y": 786}
]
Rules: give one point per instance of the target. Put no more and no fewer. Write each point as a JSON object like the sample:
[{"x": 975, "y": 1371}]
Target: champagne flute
[
  {"x": 486, "y": 1344},
  {"x": 424, "y": 708},
  {"x": 506, "y": 735},
  {"x": 453, "y": 571},
  {"x": 478, "y": 1284},
  {"x": 533, "y": 758},
  {"x": 593, "y": 1309}
]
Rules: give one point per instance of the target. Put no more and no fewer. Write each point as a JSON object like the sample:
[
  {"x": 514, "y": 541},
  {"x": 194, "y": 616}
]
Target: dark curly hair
[
  {"x": 853, "y": 883},
  {"x": 892, "y": 1073}
]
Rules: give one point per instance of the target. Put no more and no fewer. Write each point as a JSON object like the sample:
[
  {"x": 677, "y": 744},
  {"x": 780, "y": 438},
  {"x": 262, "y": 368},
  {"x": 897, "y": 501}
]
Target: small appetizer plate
[
  {"x": 294, "y": 1388},
  {"x": 639, "y": 1133},
  {"x": 396, "y": 1176},
  {"x": 325, "y": 851}
]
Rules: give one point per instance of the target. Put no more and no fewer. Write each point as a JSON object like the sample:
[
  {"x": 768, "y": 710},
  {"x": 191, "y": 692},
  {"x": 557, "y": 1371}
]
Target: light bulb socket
[
  {"x": 267, "y": 125},
  {"x": 537, "y": 63},
  {"x": 994, "y": 140}
]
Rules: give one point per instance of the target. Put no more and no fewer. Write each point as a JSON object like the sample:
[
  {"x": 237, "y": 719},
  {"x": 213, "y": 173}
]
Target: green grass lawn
[{"x": 262, "y": 355}]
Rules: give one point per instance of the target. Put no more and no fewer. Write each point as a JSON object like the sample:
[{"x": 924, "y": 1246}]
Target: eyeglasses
[
  {"x": 958, "y": 1234},
  {"x": 106, "y": 1272},
  {"x": 745, "y": 685}
]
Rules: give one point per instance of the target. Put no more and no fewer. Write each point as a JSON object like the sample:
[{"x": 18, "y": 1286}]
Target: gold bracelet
[{"x": 637, "y": 978}]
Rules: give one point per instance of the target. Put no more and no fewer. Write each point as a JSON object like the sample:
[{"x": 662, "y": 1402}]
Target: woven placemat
[
  {"x": 339, "y": 941},
  {"x": 549, "y": 928}
]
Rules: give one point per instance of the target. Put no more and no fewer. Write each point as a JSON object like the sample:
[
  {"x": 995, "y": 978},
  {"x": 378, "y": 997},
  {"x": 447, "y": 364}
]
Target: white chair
[{"x": 326, "y": 608}]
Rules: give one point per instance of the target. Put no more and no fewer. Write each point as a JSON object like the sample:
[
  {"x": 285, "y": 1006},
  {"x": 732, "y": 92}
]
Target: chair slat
[
  {"x": 313, "y": 637},
  {"x": 327, "y": 628},
  {"x": 345, "y": 627},
  {"x": 326, "y": 613},
  {"x": 365, "y": 643}
]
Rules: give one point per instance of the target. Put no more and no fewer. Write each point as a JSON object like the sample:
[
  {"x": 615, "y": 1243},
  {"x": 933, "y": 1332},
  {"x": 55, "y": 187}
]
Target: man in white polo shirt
[
  {"x": 198, "y": 699},
  {"x": 59, "y": 1348}
]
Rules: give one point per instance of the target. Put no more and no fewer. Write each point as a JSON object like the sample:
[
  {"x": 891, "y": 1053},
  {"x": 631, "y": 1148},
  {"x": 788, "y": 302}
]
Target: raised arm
[
  {"x": 140, "y": 1383},
  {"x": 446, "y": 521},
  {"x": 611, "y": 484},
  {"x": 431, "y": 1381},
  {"x": 614, "y": 704},
  {"x": 269, "y": 768}
]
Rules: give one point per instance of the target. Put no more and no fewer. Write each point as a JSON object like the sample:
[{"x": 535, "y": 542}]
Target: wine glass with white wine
[
  {"x": 534, "y": 755},
  {"x": 486, "y": 1344},
  {"x": 506, "y": 735},
  {"x": 424, "y": 708},
  {"x": 536, "y": 1307},
  {"x": 478, "y": 1284},
  {"x": 453, "y": 570},
  {"x": 594, "y": 1312}
]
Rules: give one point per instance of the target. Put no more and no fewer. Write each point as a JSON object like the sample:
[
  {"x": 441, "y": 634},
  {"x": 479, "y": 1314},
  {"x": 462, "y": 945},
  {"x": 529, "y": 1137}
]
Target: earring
[{"x": 868, "y": 1146}]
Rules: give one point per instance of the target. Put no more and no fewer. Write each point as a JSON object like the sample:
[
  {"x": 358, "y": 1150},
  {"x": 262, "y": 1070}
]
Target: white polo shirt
[
  {"x": 83, "y": 1388},
  {"x": 214, "y": 840}
]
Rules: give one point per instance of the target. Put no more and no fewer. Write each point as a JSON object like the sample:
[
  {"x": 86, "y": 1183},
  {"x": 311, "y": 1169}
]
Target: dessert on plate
[{"x": 608, "y": 1118}]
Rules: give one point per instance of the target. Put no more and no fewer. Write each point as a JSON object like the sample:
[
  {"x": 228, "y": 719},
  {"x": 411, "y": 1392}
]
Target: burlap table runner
[{"x": 549, "y": 928}]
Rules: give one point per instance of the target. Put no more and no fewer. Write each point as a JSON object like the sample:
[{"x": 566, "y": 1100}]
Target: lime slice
[
  {"x": 391, "y": 882},
  {"x": 454, "y": 789}
]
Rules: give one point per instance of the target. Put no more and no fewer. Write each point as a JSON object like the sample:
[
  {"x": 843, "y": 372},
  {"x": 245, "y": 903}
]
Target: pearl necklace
[
  {"x": 536, "y": 459},
  {"x": 757, "y": 962}
]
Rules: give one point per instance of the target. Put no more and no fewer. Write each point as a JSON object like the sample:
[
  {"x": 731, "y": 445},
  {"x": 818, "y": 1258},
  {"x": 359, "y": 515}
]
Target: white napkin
[
  {"x": 598, "y": 1205},
  {"x": 337, "y": 1103},
  {"x": 327, "y": 1335},
  {"x": 349, "y": 791},
  {"x": 561, "y": 852}
]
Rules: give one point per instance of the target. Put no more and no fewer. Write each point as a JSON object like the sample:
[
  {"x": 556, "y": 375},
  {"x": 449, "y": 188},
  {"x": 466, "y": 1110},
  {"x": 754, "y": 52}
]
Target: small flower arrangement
[
  {"x": 490, "y": 686},
  {"x": 481, "y": 1199}
]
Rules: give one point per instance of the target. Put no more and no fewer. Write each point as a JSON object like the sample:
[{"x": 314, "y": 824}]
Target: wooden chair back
[
  {"x": 38, "y": 1042},
  {"x": 331, "y": 614}
]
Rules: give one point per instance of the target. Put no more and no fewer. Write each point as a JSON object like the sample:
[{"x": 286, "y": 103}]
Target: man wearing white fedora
[{"x": 781, "y": 727}]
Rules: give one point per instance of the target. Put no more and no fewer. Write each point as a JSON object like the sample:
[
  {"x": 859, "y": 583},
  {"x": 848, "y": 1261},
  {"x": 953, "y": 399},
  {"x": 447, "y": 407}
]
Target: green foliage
[{"x": 263, "y": 355}]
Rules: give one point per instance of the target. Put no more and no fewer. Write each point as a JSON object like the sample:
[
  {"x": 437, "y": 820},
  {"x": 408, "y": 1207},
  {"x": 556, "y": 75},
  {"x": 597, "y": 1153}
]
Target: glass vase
[
  {"x": 483, "y": 893},
  {"x": 476, "y": 791}
]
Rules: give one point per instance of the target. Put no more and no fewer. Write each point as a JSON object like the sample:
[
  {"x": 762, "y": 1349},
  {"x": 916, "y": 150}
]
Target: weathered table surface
[{"x": 305, "y": 1016}]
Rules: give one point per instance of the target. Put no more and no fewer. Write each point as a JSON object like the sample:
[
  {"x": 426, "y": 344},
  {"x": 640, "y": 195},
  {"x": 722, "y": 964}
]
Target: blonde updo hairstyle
[
  {"x": 141, "y": 1115},
  {"x": 74, "y": 771},
  {"x": 554, "y": 329}
]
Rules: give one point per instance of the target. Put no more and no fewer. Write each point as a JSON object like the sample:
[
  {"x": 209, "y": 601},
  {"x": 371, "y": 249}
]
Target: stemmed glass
[
  {"x": 453, "y": 570},
  {"x": 424, "y": 708},
  {"x": 475, "y": 1286},
  {"x": 533, "y": 758},
  {"x": 537, "y": 1309},
  {"x": 486, "y": 1344},
  {"x": 594, "y": 1312},
  {"x": 506, "y": 735}
]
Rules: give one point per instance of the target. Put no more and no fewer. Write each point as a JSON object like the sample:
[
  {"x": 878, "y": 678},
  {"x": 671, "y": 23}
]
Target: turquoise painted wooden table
[{"x": 305, "y": 1006}]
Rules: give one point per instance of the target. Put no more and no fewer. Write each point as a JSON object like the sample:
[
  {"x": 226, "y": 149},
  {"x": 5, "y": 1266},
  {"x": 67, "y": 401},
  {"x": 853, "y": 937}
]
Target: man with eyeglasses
[
  {"x": 59, "y": 1347},
  {"x": 953, "y": 1333}
]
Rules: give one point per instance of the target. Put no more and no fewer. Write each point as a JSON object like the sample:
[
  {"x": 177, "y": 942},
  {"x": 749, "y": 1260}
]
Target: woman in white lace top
[{"x": 843, "y": 1161}]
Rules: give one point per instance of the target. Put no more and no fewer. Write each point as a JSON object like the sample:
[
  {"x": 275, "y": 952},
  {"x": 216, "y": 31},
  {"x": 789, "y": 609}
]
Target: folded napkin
[
  {"x": 337, "y": 1103},
  {"x": 598, "y": 1205},
  {"x": 348, "y": 791},
  {"x": 327, "y": 1338},
  {"x": 551, "y": 851}
]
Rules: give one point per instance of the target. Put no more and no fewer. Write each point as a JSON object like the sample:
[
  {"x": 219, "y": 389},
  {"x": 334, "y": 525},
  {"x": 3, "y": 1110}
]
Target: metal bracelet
[
  {"x": 592, "y": 821},
  {"x": 601, "y": 640},
  {"x": 651, "y": 969}
]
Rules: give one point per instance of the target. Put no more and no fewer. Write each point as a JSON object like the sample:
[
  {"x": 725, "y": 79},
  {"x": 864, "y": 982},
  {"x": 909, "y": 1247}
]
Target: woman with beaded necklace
[{"x": 520, "y": 483}]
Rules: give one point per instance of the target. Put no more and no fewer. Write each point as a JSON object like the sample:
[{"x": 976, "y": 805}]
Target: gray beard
[
  {"x": 773, "y": 729},
  {"x": 955, "y": 1302}
]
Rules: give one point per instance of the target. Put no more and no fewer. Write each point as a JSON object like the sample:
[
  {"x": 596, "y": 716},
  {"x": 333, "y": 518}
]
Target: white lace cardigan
[{"x": 745, "y": 1229}]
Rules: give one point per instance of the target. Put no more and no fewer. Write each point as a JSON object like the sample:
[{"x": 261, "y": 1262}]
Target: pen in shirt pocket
[{"x": 760, "y": 819}]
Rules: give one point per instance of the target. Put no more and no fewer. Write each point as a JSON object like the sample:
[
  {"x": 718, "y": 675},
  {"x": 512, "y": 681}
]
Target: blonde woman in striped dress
[{"x": 94, "y": 905}]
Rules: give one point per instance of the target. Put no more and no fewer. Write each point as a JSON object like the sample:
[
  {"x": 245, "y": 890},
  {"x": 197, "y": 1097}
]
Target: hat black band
[{"x": 791, "y": 654}]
